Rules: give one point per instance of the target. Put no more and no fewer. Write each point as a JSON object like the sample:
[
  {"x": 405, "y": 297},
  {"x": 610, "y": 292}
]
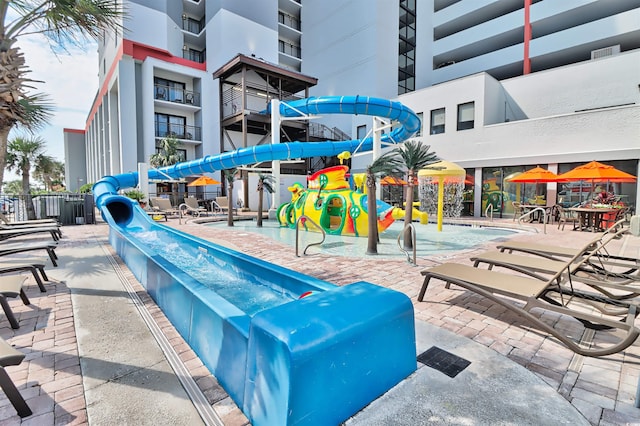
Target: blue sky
[{"x": 70, "y": 79}]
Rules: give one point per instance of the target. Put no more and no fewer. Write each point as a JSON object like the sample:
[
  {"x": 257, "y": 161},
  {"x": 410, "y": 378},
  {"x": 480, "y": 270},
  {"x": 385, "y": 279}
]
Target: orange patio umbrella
[
  {"x": 392, "y": 180},
  {"x": 597, "y": 172},
  {"x": 536, "y": 175},
  {"x": 204, "y": 181}
]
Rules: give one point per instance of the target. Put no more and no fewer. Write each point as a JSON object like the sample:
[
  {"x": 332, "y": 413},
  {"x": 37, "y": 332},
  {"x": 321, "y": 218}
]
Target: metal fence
[{"x": 67, "y": 208}]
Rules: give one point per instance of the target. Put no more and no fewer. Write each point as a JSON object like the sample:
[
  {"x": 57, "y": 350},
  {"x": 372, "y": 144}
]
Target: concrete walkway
[{"x": 100, "y": 352}]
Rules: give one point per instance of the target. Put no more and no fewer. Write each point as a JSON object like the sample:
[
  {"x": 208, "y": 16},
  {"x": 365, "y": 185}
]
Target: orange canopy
[
  {"x": 596, "y": 171},
  {"x": 392, "y": 180},
  {"x": 203, "y": 181},
  {"x": 536, "y": 175}
]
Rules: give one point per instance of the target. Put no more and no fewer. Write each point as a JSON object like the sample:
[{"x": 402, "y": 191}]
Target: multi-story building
[{"x": 502, "y": 85}]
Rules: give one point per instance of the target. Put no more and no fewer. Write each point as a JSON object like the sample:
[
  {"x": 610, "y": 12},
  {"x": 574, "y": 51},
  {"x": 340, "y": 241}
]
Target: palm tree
[
  {"x": 386, "y": 164},
  {"x": 414, "y": 156},
  {"x": 230, "y": 176},
  {"x": 22, "y": 153},
  {"x": 168, "y": 155},
  {"x": 265, "y": 181},
  {"x": 62, "y": 22},
  {"x": 49, "y": 171}
]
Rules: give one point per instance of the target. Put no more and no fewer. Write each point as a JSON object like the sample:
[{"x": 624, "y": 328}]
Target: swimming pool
[{"x": 429, "y": 242}]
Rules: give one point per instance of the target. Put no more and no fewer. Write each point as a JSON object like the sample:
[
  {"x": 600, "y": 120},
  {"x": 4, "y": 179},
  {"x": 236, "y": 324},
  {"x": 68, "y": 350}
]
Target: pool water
[
  {"x": 244, "y": 289},
  {"x": 429, "y": 242}
]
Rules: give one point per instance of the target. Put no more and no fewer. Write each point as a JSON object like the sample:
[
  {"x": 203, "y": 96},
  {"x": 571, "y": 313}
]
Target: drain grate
[{"x": 443, "y": 361}]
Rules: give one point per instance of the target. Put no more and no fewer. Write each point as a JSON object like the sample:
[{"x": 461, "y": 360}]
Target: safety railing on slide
[
  {"x": 304, "y": 219},
  {"x": 413, "y": 242}
]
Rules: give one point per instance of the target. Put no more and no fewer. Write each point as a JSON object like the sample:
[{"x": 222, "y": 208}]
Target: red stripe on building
[
  {"x": 139, "y": 52},
  {"x": 526, "y": 66}
]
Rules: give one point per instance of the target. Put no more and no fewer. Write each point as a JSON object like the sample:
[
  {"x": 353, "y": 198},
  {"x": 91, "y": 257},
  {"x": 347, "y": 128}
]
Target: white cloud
[{"x": 69, "y": 78}]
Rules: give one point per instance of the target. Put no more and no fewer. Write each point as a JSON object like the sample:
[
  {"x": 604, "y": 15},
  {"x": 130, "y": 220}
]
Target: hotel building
[{"x": 501, "y": 85}]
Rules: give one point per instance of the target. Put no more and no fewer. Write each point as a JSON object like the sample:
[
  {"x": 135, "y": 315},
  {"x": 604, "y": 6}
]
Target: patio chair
[
  {"x": 548, "y": 295},
  {"x": 517, "y": 209},
  {"x": 11, "y": 356},
  {"x": 191, "y": 206},
  {"x": 11, "y": 286},
  {"x": 566, "y": 216},
  {"x": 163, "y": 205},
  {"x": 13, "y": 248}
]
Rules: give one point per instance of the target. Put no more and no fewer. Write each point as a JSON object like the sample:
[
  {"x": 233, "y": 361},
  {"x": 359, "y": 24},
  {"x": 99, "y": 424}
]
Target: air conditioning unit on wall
[{"x": 605, "y": 51}]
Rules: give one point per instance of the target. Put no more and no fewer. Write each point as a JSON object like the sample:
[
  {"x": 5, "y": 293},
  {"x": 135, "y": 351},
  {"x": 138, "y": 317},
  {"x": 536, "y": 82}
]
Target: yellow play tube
[{"x": 398, "y": 213}]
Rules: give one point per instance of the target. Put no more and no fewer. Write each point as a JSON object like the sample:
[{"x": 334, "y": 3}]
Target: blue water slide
[
  {"x": 358, "y": 105},
  {"x": 286, "y": 364}
]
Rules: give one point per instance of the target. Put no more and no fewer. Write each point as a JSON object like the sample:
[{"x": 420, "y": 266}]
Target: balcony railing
[
  {"x": 289, "y": 49},
  {"x": 195, "y": 56},
  {"x": 178, "y": 131},
  {"x": 172, "y": 94},
  {"x": 192, "y": 26},
  {"x": 289, "y": 21}
]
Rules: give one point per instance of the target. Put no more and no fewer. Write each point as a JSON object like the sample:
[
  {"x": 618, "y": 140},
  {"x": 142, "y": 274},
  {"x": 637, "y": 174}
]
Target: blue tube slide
[{"x": 313, "y": 360}]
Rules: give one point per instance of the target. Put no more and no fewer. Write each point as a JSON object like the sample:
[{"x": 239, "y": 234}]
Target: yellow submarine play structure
[{"x": 330, "y": 202}]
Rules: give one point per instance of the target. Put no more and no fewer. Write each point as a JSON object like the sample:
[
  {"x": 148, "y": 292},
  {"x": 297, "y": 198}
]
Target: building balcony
[
  {"x": 171, "y": 94},
  {"x": 178, "y": 131}
]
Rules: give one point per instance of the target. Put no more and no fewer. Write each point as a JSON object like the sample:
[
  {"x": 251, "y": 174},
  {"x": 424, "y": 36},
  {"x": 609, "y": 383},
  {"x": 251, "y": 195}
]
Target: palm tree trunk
[
  {"x": 4, "y": 137},
  {"x": 259, "y": 218},
  {"x": 372, "y": 220},
  {"x": 230, "y": 209},
  {"x": 28, "y": 201}
]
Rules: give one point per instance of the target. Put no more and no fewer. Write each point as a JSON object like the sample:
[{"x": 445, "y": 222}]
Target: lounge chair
[
  {"x": 6, "y": 221},
  {"x": 163, "y": 205},
  {"x": 11, "y": 356},
  {"x": 11, "y": 286},
  {"x": 190, "y": 206},
  {"x": 54, "y": 231},
  {"x": 34, "y": 265},
  {"x": 548, "y": 295},
  {"x": 13, "y": 248},
  {"x": 591, "y": 265},
  {"x": 221, "y": 204}
]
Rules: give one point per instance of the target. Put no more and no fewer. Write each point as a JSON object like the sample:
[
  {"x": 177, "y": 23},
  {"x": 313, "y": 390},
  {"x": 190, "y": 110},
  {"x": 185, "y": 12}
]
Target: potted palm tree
[{"x": 137, "y": 195}]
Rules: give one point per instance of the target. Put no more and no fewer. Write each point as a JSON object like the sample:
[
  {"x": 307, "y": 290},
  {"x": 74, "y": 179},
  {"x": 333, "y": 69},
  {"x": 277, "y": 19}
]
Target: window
[
  {"x": 171, "y": 126},
  {"x": 361, "y": 131},
  {"x": 421, "y": 117},
  {"x": 168, "y": 90},
  {"x": 437, "y": 121},
  {"x": 181, "y": 153},
  {"x": 407, "y": 47},
  {"x": 465, "y": 116}
]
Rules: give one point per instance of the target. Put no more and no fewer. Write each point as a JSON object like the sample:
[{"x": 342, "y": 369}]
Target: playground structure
[{"x": 288, "y": 363}]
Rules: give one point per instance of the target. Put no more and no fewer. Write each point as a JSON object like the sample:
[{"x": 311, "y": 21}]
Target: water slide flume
[{"x": 287, "y": 363}]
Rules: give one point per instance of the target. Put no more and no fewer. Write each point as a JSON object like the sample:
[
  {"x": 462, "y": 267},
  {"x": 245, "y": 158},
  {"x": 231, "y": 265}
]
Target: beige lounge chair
[
  {"x": 5, "y": 220},
  {"x": 222, "y": 204},
  {"x": 11, "y": 356},
  {"x": 34, "y": 265},
  {"x": 54, "y": 231},
  {"x": 163, "y": 205},
  {"x": 13, "y": 248},
  {"x": 11, "y": 286},
  {"x": 190, "y": 206},
  {"x": 548, "y": 295}
]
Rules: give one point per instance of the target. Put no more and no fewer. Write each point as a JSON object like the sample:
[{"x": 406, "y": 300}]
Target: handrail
[
  {"x": 413, "y": 241},
  {"x": 488, "y": 210},
  {"x": 544, "y": 216},
  {"x": 303, "y": 219}
]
